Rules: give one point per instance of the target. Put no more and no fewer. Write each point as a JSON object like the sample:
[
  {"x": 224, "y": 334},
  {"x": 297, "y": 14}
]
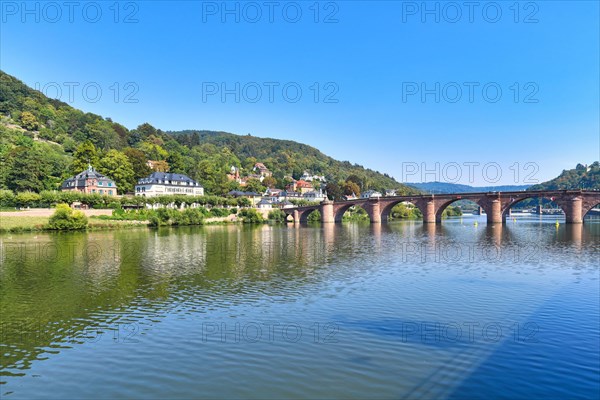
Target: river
[{"x": 398, "y": 310}]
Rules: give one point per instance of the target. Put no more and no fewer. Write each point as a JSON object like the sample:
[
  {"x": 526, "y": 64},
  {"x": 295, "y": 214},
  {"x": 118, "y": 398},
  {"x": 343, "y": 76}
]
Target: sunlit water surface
[{"x": 399, "y": 310}]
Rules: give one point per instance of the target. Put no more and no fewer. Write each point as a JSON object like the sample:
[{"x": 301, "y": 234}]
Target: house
[
  {"x": 261, "y": 170},
  {"x": 307, "y": 176},
  {"x": 370, "y": 194},
  {"x": 314, "y": 196},
  {"x": 252, "y": 196},
  {"x": 264, "y": 204},
  {"x": 293, "y": 195},
  {"x": 285, "y": 204},
  {"x": 275, "y": 195},
  {"x": 163, "y": 183},
  {"x": 350, "y": 197},
  {"x": 303, "y": 187},
  {"x": 90, "y": 181}
]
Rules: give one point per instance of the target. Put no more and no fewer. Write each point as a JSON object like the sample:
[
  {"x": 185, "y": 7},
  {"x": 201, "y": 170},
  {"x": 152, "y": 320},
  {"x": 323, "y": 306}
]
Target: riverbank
[{"x": 36, "y": 220}]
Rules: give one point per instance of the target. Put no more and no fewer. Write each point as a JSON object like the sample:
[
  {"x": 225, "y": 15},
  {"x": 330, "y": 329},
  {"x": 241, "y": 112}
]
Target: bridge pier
[
  {"x": 574, "y": 211},
  {"x": 326, "y": 210},
  {"x": 429, "y": 213},
  {"x": 296, "y": 216},
  {"x": 373, "y": 208},
  {"x": 495, "y": 215}
]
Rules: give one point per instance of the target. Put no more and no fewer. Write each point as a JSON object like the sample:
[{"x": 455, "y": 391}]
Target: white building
[
  {"x": 264, "y": 204},
  {"x": 370, "y": 194},
  {"x": 315, "y": 196},
  {"x": 307, "y": 176},
  {"x": 163, "y": 183}
]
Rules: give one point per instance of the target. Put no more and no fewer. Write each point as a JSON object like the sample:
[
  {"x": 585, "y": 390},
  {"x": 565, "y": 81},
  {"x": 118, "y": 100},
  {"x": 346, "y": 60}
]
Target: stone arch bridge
[{"x": 575, "y": 204}]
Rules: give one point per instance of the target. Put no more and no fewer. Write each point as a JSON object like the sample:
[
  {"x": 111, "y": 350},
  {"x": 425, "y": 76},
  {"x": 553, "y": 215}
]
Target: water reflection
[{"x": 61, "y": 291}]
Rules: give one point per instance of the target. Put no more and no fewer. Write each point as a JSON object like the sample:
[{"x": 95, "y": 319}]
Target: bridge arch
[
  {"x": 508, "y": 205},
  {"x": 440, "y": 210},
  {"x": 589, "y": 207},
  {"x": 338, "y": 212},
  {"x": 386, "y": 212}
]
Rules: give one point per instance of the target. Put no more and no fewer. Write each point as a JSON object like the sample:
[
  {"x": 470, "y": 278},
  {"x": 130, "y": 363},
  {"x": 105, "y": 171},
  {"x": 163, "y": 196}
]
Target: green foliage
[
  {"x": 578, "y": 178},
  {"x": 351, "y": 188},
  {"x": 85, "y": 155},
  {"x": 168, "y": 216},
  {"x": 138, "y": 160},
  {"x": 277, "y": 215},
  {"x": 356, "y": 214},
  {"x": 116, "y": 166},
  {"x": 334, "y": 191},
  {"x": 64, "y": 218},
  {"x": 204, "y": 156},
  {"x": 27, "y": 199},
  {"x": 402, "y": 211},
  {"x": 452, "y": 211},
  {"x": 314, "y": 216},
  {"x": 29, "y": 121},
  {"x": 7, "y": 198},
  {"x": 250, "y": 216}
]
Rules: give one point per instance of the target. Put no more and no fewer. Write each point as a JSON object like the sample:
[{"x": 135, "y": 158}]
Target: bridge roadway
[{"x": 575, "y": 204}]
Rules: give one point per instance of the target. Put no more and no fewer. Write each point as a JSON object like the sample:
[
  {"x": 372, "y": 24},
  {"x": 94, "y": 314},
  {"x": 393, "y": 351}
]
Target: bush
[
  {"x": 277, "y": 216},
  {"x": 219, "y": 212},
  {"x": 314, "y": 216},
  {"x": 7, "y": 198},
  {"x": 65, "y": 218},
  {"x": 250, "y": 216}
]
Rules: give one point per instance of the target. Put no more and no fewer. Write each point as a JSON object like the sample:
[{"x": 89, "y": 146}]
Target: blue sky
[{"x": 407, "y": 88}]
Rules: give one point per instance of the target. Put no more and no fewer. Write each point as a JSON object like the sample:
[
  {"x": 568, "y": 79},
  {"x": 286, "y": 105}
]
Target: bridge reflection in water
[{"x": 574, "y": 203}]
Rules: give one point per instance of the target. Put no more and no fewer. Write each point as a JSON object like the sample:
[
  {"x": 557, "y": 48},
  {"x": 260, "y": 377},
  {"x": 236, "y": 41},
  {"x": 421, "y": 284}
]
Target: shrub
[
  {"x": 65, "y": 218},
  {"x": 7, "y": 198},
  {"x": 314, "y": 216},
  {"x": 277, "y": 216},
  {"x": 250, "y": 216}
]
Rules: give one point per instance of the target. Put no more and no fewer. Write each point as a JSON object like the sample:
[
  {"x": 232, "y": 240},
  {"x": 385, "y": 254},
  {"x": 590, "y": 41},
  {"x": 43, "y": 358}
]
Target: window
[
  {"x": 101, "y": 191},
  {"x": 100, "y": 183},
  {"x": 110, "y": 192}
]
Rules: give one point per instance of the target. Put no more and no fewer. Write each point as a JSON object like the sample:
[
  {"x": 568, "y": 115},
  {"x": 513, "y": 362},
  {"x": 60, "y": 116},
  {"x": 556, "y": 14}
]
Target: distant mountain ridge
[{"x": 445, "y": 187}]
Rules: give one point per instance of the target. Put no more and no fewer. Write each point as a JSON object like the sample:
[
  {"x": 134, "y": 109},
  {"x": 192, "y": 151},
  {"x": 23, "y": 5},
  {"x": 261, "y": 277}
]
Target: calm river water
[{"x": 399, "y": 310}]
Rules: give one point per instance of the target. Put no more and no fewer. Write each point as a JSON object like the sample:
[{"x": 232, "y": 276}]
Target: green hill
[
  {"x": 43, "y": 141},
  {"x": 581, "y": 177}
]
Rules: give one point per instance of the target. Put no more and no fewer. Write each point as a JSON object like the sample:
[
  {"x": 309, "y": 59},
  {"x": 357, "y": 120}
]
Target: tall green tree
[
  {"x": 137, "y": 158},
  {"x": 117, "y": 167},
  {"x": 85, "y": 155},
  {"x": 27, "y": 170}
]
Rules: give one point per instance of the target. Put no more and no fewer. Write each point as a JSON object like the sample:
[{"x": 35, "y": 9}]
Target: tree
[
  {"x": 356, "y": 179},
  {"x": 269, "y": 182},
  {"x": 176, "y": 164},
  {"x": 138, "y": 163},
  {"x": 334, "y": 191},
  {"x": 351, "y": 188},
  {"x": 85, "y": 155},
  {"x": 27, "y": 170},
  {"x": 254, "y": 185},
  {"x": 153, "y": 151},
  {"x": 146, "y": 130},
  {"x": 29, "y": 121},
  {"x": 116, "y": 166}
]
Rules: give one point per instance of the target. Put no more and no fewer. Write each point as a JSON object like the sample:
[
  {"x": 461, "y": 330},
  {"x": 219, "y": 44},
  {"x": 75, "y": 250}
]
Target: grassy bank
[{"x": 35, "y": 224}]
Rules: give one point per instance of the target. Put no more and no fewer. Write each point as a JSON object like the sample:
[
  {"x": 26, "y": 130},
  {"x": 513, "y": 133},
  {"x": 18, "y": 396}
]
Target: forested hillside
[
  {"x": 43, "y": 141},
  {"x": 581, "y": 177}
]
